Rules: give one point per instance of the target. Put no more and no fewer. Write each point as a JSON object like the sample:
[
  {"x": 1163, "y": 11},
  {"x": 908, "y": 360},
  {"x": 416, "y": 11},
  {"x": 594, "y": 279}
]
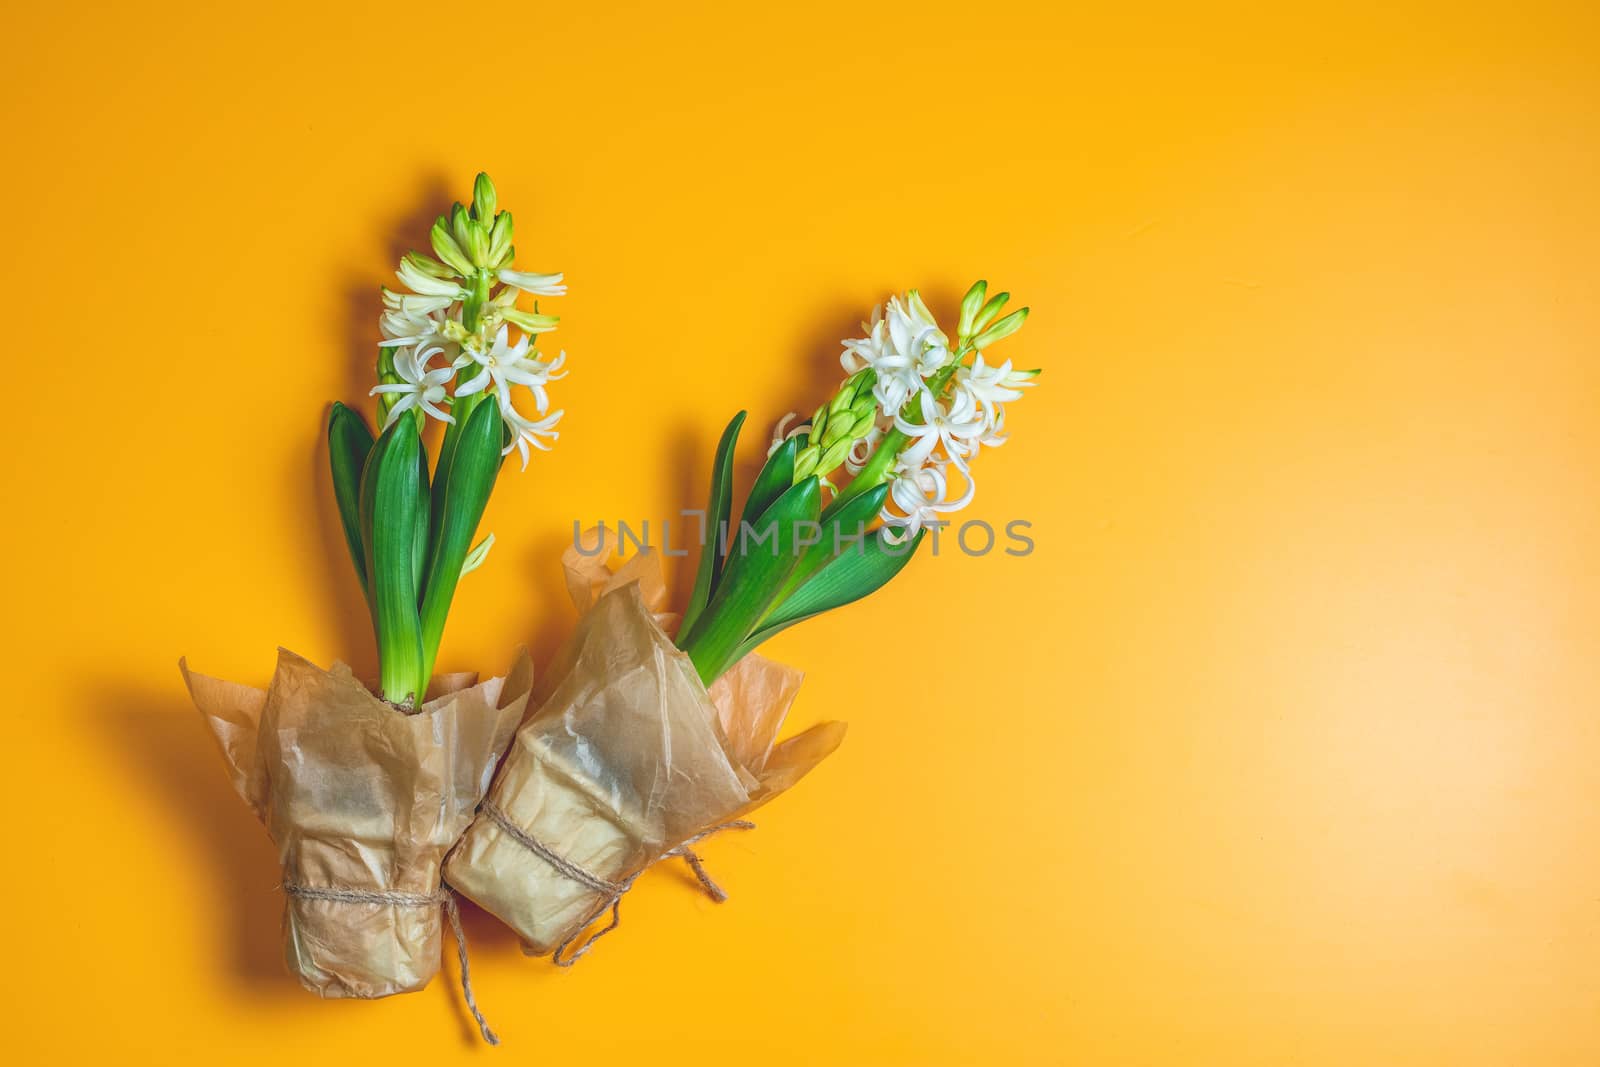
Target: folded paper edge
[
  {"x": 232, "y": 711},
  {"x": 232, "y": 714},
  {"x": 795, "y": 757}
]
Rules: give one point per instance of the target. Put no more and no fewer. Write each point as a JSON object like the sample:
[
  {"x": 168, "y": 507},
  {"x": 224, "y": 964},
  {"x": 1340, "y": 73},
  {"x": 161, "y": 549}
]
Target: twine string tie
[
  {"x": 611, "y": 893},
  {"x": 452, "y": 911}
]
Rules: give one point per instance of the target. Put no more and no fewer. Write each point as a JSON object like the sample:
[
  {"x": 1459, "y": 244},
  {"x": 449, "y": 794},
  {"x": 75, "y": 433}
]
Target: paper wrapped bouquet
[{"x": 629, "y": 760}]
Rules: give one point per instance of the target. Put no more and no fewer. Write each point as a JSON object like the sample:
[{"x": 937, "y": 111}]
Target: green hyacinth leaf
[
  {"x": 755, "y": 572},
  {"x": 776, "y": 476},
  {"x": 392, "y": 495},
  {"x": 349, "y": 444},
  {"x": 848, "y": 578},
  {"x": 843, "y": 532},
  {"x": 423, "y": 522},
  {"x": 474, "y": 464},
  {"x": 461, "y": 408},
  {"x": 718, "y": 508}
]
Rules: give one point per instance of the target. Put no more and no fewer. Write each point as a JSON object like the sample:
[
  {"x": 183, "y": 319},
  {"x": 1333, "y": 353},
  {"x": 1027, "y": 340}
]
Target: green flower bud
[
  {"x": 500, "y": 239},
  {"x": 445, "y": 247},
  {"x": 478, "y": 242},
  {"x": 864, "y": 421},
  {"x": 1002, "y": 329},
  {"x": 386, "y": 376},
  {"x": 805, "y": 462},
  {"x": 484, "y": 201},
  {"x": 862, "y": 397},
  {"x": 990, "y": 310},
  {"x": 914, "y": 298},
  {"x": 835, "y": 454},
  {"x": 969, "y": 307},
  {"x": 428, "y": 265},
  {"x": 530, "y": 321},
  {"x": 856, "y": 390},
  {"x": 458, "y": 224}
]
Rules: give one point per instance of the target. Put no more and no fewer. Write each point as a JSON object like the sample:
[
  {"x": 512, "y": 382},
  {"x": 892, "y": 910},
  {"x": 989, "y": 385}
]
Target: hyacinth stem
[
  {"x": 874, "y": 473},
  {"x": 472, "y": 306}
]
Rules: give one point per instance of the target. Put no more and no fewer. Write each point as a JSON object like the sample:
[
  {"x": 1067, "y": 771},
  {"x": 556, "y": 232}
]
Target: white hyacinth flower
[
  {"x": 918, "y": 496},
  {"x": 866, "y": 351},
  {"x": 537, "y": 284},
  {"x": 412, "y": 304},
  {"x": 953, "y": 427},
  {"x": 863, "y": 448},
  {"x": 904, "y": 345},
  {"x": 426, "y": 284},
  {"x": 404, "y": 325},
  {"x": 535, "y": 374},
  {"x": 505, "y": 365},
  {"x": 530, "y": 431},
  {"x": 419, "y": 386},
  {"x": 990, "y": 387},
  {"x": 993, "y": 435}
]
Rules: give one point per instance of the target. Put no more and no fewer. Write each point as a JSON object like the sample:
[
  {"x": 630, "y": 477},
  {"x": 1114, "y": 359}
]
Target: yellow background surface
[{"x": 1284, "y": 745}]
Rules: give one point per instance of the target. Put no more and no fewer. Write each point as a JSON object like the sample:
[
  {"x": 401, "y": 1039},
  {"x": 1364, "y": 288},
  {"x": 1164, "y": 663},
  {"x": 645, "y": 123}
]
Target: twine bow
[{"x": 611, "y": 892}]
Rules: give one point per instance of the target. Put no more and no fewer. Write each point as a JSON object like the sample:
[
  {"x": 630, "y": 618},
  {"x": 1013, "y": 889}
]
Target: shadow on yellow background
[{"x": 1282, "y": 746}]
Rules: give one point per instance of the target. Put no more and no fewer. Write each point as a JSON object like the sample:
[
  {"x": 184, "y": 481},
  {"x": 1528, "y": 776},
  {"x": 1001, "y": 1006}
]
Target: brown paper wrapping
[
  {"x": 627, "y": 758},
  {"x": 361, "y": 797}
]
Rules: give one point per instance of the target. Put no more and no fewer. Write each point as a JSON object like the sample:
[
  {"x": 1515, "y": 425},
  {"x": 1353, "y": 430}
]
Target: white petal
[
  {"x": 476, "y": 384},
  {"x": 538, "y": 284}
]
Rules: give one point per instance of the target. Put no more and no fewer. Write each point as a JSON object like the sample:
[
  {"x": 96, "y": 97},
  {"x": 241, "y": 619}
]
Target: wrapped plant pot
[
  {"x": 629, "y": 760},
  {"x": 364, "y": 792},
  {"x": 362, "y": 799}
]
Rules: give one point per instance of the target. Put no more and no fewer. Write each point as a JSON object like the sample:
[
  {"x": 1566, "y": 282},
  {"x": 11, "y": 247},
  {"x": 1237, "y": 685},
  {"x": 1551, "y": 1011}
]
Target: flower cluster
[
  {"x": 449, "y": 338},
  {"x": 936, "y": 404}
]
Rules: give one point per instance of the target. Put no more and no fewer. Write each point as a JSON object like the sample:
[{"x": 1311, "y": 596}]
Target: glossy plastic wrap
[
  {"x": 626, "y": 759},
  {"x": 362, "y": 800}
]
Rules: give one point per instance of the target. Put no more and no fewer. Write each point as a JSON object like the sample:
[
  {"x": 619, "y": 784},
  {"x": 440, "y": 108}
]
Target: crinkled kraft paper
[
  {"x": 361, "y": 796},
  {"x": 627, "y": 758}
]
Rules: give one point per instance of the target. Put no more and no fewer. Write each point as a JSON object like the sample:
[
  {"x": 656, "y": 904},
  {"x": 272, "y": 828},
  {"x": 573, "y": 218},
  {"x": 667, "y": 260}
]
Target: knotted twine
[
  {"x": 452, "y": 912},
  {"x": 610, "y": 892}
]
